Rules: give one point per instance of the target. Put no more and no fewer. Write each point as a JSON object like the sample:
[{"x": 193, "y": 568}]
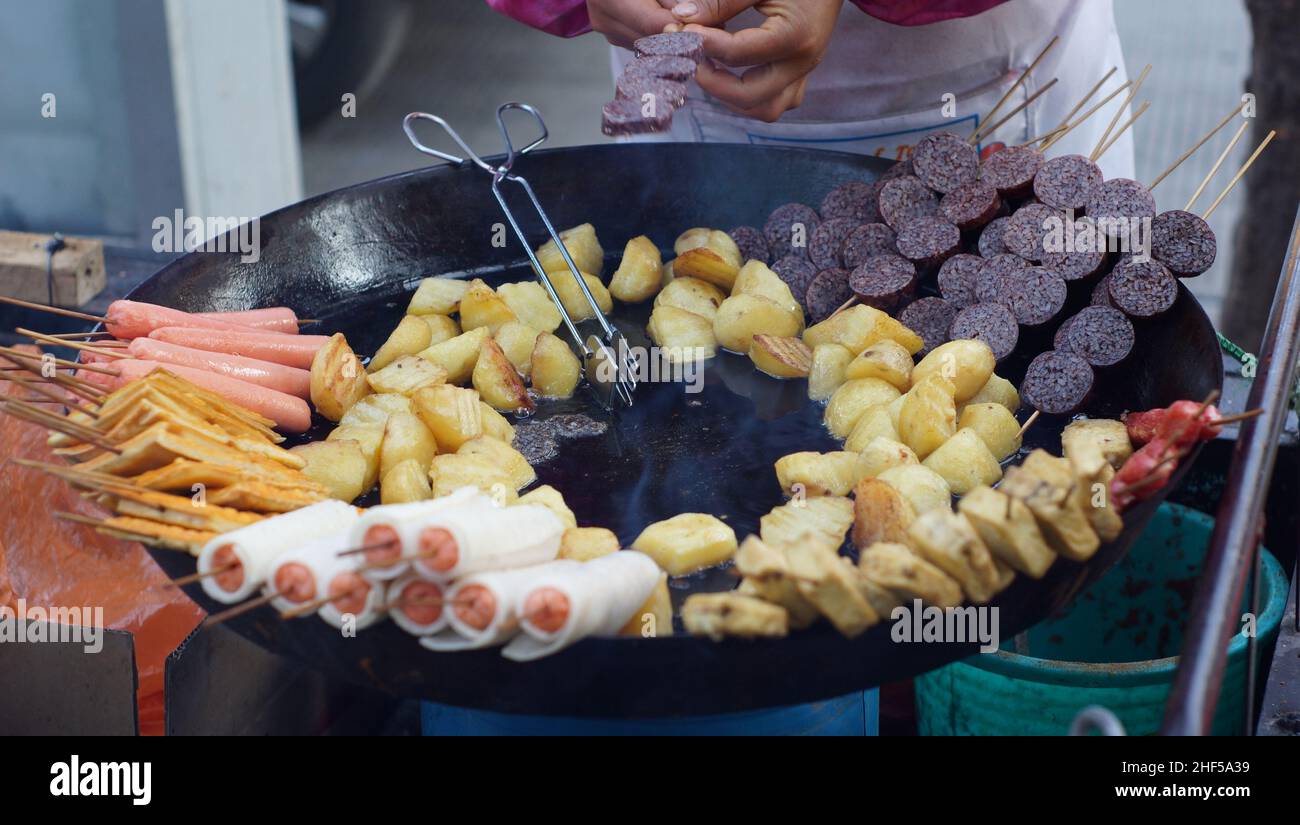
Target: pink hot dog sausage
[
  {"x": 133, "y": 319},
  {"x": 289, "y": 380},
  {"x": 290, "y": 413},
  {"x": 267, "y": 319},
  {"x": 276, "y": 347}
]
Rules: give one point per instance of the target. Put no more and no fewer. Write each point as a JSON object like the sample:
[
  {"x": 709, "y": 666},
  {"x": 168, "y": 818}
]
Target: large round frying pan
[{"x": 351, "y": 256}]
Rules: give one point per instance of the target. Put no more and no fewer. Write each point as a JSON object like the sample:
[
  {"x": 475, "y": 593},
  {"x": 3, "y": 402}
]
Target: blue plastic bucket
[{"x": 1116, "y": 647}]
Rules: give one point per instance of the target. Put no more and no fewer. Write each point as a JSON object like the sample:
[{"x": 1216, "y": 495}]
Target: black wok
[{"x": 351, "y": 256}]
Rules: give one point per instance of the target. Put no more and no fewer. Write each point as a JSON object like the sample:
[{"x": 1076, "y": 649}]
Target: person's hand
[
  {"x": 782, "y": 51},
  {"x": 623, "y": 21}
]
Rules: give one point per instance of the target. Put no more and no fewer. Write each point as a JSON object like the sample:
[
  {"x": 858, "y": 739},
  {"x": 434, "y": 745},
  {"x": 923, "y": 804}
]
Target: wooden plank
[{"x": 78, "y": 269}]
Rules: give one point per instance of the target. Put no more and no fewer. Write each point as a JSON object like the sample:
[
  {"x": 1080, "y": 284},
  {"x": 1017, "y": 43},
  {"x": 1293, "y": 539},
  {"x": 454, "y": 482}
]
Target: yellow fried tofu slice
[
  {"x": 948, "y": 541},
  {"x": 908, "y": 576},
  {"x": 767, "y": 576},
  {"x": 1008, "y": 529},
  {"x": 687, "y": 542},
  {"x": 719, "y": 615},
  {"x": 831, "y": 587},
  {"x": 826, "y": 518},
  {"x": 1046, "y": 484}
]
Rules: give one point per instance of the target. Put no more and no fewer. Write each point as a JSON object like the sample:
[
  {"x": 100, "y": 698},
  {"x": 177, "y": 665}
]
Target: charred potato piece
[
  {"x": 719, "y": 615},
  {"x": 994, "y": 424},
  {"x": 339, "y": 466},
  {"x": 715, "y": 239},
  {"x": 858, "y": 327},
  {"x": 507, "y": 458},
  {"x": 968, "y": 363},
  {"x": 682, "y": 335},
  {"x": 823, "y": 518},
  {"x": 905, "y": 574},
  {"x": 437, "y": 296},
  {"x": 692, "y": 295},
  {"x": 587, "y": 543},
  {"x": 741, "y": 317},
  {"x": 556, "y": 370},
  {"x": 781, "y": 357},
  {"x": 458, "y": 355},
  {"x": 1046, "y": 484},
  {"x": 406, "y": 375},
  {"x": 928, "y": 416},
  {"x": 964, "y": 462},
  {"x": 948, "y": 541},
  {"x": 831, "y": 586},
  {"x": 639, "y": 272},
  {"x": 819, "y": 474},
  {"x": 406, "y": 482},
  {"x": 707, "y": 265},
  {"x": 497, "y": 381},
  {"x": 880, "y": 513},
  {"x": 923, "y": 488},
  {"x": 1008, "y": 529},
  {"x": 687, "y": 542},
  {"x": 337, "y": 378},
  {"x": 584, "y": 248},
  {"x": 451, "y": 413},
  {"x": 887, "y": 360},
  {"x": 406, "y": 438},
  {"x": 551, "y": 498},
  {"x": 852, "y": 400},
  {"x": 827, "y": 371},
  {"x": 410, "y": 336},
  {"x": 531, "y": 305}
]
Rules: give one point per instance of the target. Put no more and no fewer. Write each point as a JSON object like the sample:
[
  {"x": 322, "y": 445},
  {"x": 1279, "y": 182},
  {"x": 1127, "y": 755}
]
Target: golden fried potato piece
[
  {"x": 406, "y": 482},
  {"x": 719, "y": 615},
  {"x": 819, "y": 474},
  {"x": 966, "y": 362},
  {"x": 410, "y": 336},
  {"x": 556, "y": 370},
  {"x": 457, "y": 356},
  {"x": 887, "y": 360},
  {"x": 831, "y": 586},
  {"x": 687, "y": 542},
  {"x": 852, "y": 400},
  {"x": 826, "y": 373},
  {"x": 902, "y": 572},
  {"x": 964, "y": 462},
  {"x": 654, "y": 618},
  {"x": 587, "y": 543},
  {"x": 551, "y": 498},
  {"x": 505, "y": 457},
  {"x": 948, "y": 541},
  {"x": 1047, "y": 485},
  {"x": 1008, "y": 529},
  {"x": 767, "y": 576},
  {"x": 497, "y": 381},
  {"x": 880, "y": 513},
  {"x": 875, "y": 423},
  {"x": 531, "y": 304},
  {"x": 437, "y": 296},
  {"x": 781, "y": 357},
  {"x": 337, "y": 378},
  {"x": 693, "y": 295},
  {"x": 584, "y": 248},
  {"x": 858, "y": 327},
  {"x": 994, "y": 424},
  {"x": 741, "y": 317},
  {"x": 1092, "y": 442},
  {"x": 928, "y": 416},
  {"x": 639, "y": 272},
  {"x": 824, "y": 518}
]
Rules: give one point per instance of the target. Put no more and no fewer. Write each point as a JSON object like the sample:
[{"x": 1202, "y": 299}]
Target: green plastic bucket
[{"x": 1116, "y": 647}]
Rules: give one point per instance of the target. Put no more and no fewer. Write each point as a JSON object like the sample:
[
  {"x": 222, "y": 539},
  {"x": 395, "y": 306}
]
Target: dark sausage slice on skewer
[
  {"x": 1064, "y": 182},
  {"x": 1115, "y": 204},
  {"x": 669, "y": 67},
  {"x": 1142, "y": 289},
  {"x": 789, "y": 229},
  {"x": 1029, "y": 226},
  {"x": 898, "y": 170},
  {"x": 798, "y": 274},
  {"x": 1057, "y": 383},
  {"x": 751, "y": 243},
  {"x": 1080, "y": 263},
  {"x": 666, "y": 93},
  {"x": 957, "y": 279},
  {"x": 867, "y": 241},
  {"x": 1099, "y": 335},
  {"x": 855, "y": 200},
  {"x": 929, "y": 241},
  {"x": 995, "y": 280},
  {"x": 1101, "y": 293},
  {"x": 1036, "y": 296},
  {"x": 991, "y": 323},
  {"x": 971, "y": 205},
  {"x": 904, "y": 198},
  {"x": 827, "y": 240},
  {"x": 1012, "y": 170},
  {"x": 828, "y": 291},
  {"x": 671, "y": 44},
  {"x": 990, "y": 244},
  {"x": 929, "y": 318},
  {"x": 884, "y": 282},
  {"x": 625, "y": 117},
  {"x": 1183, "y": 242},
  {"x": 945, "y": 162}
]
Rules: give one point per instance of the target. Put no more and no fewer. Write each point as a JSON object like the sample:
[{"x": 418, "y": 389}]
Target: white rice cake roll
[
  {"x": 321, "y": 562},
  {"x": 507, "y": 588},
  {"x": 602, "y": 594},
  {"x": 396, "y": 516},
  {"x": 495, "y": 538},
  {"x": 415, "y": 617},
  {"x": 257, "y": 546},
  {"x": 368, "y": 610}
]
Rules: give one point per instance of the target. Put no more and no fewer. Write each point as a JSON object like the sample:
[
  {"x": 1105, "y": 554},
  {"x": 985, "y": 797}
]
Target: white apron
[{"x": 879, "y": 87}]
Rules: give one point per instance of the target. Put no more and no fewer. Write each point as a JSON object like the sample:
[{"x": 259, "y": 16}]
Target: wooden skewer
[
  {"x": 1045, "y": 135},
  {"x": 40, "y": 389},
  {"x": 1233, "y": 419},
  {"x": 74, "y": 335},
  {"x": 194, "y": 577},
  {"x": 1091, "y": 111},
  {"x": 1019, "y": 80},
  {"x": 1121, "y": 130},
  {"x": 1049, "y": 84},
  {"x": 1096, "y": 88},
  {"x": 365, "y": 548},
  {"x": 850, "y": 302},
  {"x": 58, "y": 423},
  {"x": 1227, "y": 150},
  {"x": 1028, "y": 423},
  {"x": 1132, "y": 93},
  {"x": 67, "y": 313},
  {"x": 302, "y": 322},
  {"x": 311, "y": 607},
  {"x": 59, "y": 362},
  {"x": 63, "y": 342},
  {"x": 1197, "y": 145},
  {"x": 1271, "y": 134},
  {"x": 23, "y": 363},
  {"x": 241, "y": 609}
]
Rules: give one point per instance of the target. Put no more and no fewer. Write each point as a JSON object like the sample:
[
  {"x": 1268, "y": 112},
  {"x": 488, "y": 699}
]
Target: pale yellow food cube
[
  {"x": 819, "y": 474},
  {"x": 692, "y": 295},
  {"x": 824, "y": 518},
  {"x": 584, "y": 248},
  {"x": 410, "y": 336},
  {"x": 451, "y": 413},
  {"x": 550, "y": 498},
  {"x": 851, "y": 401},
  {"x": 639, "y": 272},
  {"x": 883, "y": 453},
  {"x": 339, "y": 466},
  {"x": 923, "y": 488},
  {"x": 687, "y": 542},
  {"x": 437, "y": 296},
  {"x": 928, "y": 416},
  {"x": 887, "y": 360},
  {"x": 875, "y": 423},
  {"x": 827, "y": 371},
  {"x": 405, "y": 375},
  {"x": 964, "y": 462},
  {"x": 587, "y": 543},
  {"x": 406, "y": 482},
  {"x": 556, "y": 370},
  {"x": 995, "y": 425},
  {"x": 502, "y": 455},
  {"x": 406, "y": 438},
  {"x": 458, "y": 355},
  {"x": 481, "y": 306},
  {"x": 531, "y": 304},
  {"x": 742, "y": 316}
]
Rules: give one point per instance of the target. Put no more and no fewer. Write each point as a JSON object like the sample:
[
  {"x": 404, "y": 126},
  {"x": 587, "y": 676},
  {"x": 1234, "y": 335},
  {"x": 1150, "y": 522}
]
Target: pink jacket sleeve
[{"x": 568, "y": 18}]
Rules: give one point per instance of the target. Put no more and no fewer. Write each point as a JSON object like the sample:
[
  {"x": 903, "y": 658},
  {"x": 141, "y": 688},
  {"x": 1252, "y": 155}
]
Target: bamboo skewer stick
[
  {"x": 58, "y": 423},
  {"x": 1242, "y": 171},
  {"x": 1121, "y": 130},
  {"x": 1197, "y": 145},
  {"x": 195, "y": 577},
  {"x": 62, "y": 342},
  {"x": 75, "y": 335},
  {"x": 241, "y": 608},
  {"x": 1096, "y": 88},
  {"x": 1227, "y": 150},
  {"x": 40, "y": 389},
  {"x": 67, "y": 313},
  {"x": 1049, "y": 84},
  {"x": 1007, "y": 94},
  {"x": 59, "y": 362},
  {"x": 75, "y": 385},
  {"x": 1233, "y": 419},
  {"x": 1132, "y": 93},
  {"x": 1091, "y": 111},
  {"x": 1029, "y": 422}
]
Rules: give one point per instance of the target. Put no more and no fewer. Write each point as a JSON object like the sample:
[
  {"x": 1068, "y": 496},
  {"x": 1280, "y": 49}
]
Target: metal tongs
[{"x": 609, "y": 363}]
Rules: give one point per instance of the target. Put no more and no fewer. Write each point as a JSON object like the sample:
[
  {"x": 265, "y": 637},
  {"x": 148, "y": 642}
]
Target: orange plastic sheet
[{"x": 53, "y": 563}]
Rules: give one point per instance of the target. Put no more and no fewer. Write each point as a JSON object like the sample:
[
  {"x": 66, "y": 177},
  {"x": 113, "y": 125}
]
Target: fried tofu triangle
[
  {"x": 948, "y": 541},
  {"x": 908, "y": 576},
  {"x": 767, "y": 576},
  {"x": 831, "y": 586},
  {"x": 1008, "y": 529},
  {"x": 718, "y": 615},
  {"x": 1046, "y": 484}
]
